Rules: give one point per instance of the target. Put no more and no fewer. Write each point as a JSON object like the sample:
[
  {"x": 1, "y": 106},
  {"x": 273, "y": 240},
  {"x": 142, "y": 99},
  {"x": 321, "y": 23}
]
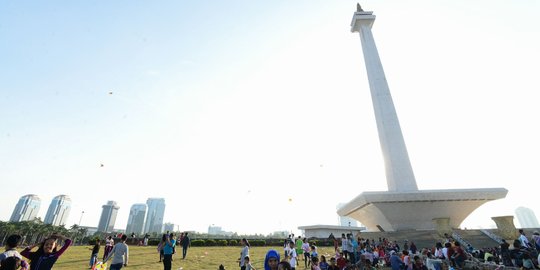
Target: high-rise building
[
  {"x": 168, "y": 227},
  {"x": 108, "y": 217},
  {"x": 526, "y": 218},
  {"x": 345, "y": 220},
  {"x": 135, "y": 224},
  {"x": 154, "y": 216},
  {"x": 58, "y": 211},
  {"x": 26, "y": 209}
]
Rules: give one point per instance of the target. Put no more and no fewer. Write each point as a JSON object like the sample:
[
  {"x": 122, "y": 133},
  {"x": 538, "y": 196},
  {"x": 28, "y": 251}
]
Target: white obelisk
[
  {"x": 403, "y": 206},
  {"x": 399, "y": 173}
]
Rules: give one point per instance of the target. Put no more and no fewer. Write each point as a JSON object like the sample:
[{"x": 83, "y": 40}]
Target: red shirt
[{"x": 341, "y": 262}]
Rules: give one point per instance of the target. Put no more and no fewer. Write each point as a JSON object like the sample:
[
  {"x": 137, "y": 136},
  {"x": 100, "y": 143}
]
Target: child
[
  {"x": 11, "y": 263},
  {"x": 333, "y": 265},
  {"x": 284, "y": 265},
  {"x": 341, "y": 261},
  {"x": 247, "y": 264},
  {"x": 11, "y": 250},
  {"x": 46, "y": 255},
  {"x": 292, "y": 256},
  {"x": 315, "y": 263},
  {"x": 323, "y": 264},
  {"x": 314, "y": 252},
  {"x": 95, "y": 251}
]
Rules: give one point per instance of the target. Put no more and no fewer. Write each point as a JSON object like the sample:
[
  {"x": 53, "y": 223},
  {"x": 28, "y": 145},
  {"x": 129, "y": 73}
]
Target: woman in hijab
[{"x": 271, "y": 260}]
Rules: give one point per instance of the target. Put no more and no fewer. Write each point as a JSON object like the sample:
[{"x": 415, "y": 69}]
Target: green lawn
[{"x": 77, "y": 257}]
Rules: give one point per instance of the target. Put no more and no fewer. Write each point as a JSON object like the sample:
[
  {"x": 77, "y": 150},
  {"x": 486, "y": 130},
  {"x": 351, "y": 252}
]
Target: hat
[{"x": 392, "y": 252}]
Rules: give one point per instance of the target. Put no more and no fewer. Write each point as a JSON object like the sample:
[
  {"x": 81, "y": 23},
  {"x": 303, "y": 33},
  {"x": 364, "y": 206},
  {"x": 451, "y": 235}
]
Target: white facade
[
  {"x": 154, "y": 216},
  {"x": 217, "y": 230},
  {"x": 323, "y": 231},
  {"x": 26, "y": 209},
  {"x": 526, "y": 218},
  {"x": 58, "y": 211},
  {"x": 135, "y": 223},
  {"x": 108, "y": 217}
]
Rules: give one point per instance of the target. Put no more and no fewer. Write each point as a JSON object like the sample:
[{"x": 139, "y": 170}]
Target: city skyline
[{"x": 262, "y": 109}]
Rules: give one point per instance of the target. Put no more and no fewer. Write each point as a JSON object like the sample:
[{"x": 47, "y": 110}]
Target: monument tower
[{"x": 403, "y": 206}]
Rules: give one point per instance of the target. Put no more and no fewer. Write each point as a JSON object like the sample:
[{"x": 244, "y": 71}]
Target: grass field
[{"x": 77, "y": 257}]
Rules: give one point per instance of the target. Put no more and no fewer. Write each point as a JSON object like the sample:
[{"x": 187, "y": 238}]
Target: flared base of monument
[{"x": 416, "y": 210}]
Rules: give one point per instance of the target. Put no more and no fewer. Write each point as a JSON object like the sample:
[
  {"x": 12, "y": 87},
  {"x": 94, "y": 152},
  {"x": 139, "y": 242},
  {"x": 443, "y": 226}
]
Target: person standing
[
  {"x": 161, "y": 245},
  {"x": 109, "y": 243},
  {"x": 305, "y": 249},
  {"x": 292, "y": 256},
  {"x": 523, "y": 239},
  {"x": 344, "y": 245},
  {"x": 334, "y": 241},
  {"x": 299, "y": 250},
  {"x": 186, "y": 243},
  {"x": 120, "y": 254},
  {"x": 168, "y": 249},
  {"x": 244, "y": 253},
  {"x": 95, "y": 252}
]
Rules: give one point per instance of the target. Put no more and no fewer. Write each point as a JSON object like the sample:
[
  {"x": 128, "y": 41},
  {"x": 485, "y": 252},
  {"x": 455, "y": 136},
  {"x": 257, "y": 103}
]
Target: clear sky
[{"x": 256, "y": 115}]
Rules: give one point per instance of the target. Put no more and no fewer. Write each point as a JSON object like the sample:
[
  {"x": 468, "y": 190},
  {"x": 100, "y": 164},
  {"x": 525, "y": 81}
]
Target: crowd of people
[
  {"x": 357, "y": 253},
  {"x": 350, "y": 253}
]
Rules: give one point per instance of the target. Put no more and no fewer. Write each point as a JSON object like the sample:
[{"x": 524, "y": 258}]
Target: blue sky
[{"x": 228, "y": 110}]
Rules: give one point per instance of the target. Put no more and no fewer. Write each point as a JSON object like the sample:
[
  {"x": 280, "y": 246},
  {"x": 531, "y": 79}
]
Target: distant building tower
[
  {"x": 345, "y": 220},
  {"x": 26, "y": 209},
  {"x": 214, "y": 230},
  {"x": 154, "y": 216},
  {"x": 58, "y": 211},
  {"x": 526, "y": 218},
  {"x": 168, "y": 227},
  {"x": 135, "y": 224},
  {"x": 108, "y": 217}
]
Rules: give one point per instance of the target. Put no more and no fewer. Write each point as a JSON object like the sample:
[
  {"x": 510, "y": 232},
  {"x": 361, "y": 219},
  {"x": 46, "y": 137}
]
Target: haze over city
[{"x": 257, "y": 116}]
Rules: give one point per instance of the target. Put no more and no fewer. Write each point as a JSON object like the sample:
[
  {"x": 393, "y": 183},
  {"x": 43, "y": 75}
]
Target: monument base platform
[{"x": 416, "y": 210}]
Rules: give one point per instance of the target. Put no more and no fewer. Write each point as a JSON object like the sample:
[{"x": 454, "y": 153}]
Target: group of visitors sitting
[{"x": 366, "y": 254}]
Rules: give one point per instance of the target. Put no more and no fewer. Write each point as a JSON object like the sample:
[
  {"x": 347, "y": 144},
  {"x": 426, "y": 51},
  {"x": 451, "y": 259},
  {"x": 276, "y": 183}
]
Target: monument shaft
[
  {"x": 403, "y": 206},
  {"x": 399, "y": 173}
]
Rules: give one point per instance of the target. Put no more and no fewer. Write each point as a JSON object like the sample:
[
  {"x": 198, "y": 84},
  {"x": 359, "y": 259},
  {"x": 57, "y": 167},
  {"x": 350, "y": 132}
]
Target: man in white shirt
[
  {"x": 523, "y": 239},
  {"x": 120, "y": 254},
  {"x": 292, "y": 256}
]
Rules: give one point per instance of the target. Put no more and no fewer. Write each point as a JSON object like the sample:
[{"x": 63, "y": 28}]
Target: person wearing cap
[
  {"x": 395, "y": 261},
  {"x": 271, "y": 260}
]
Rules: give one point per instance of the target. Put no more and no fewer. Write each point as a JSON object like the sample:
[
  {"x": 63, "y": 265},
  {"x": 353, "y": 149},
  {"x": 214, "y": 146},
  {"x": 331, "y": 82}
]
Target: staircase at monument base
[
  {"x": 428, "y": 238},
  {"x": 477, "y": 238}
]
